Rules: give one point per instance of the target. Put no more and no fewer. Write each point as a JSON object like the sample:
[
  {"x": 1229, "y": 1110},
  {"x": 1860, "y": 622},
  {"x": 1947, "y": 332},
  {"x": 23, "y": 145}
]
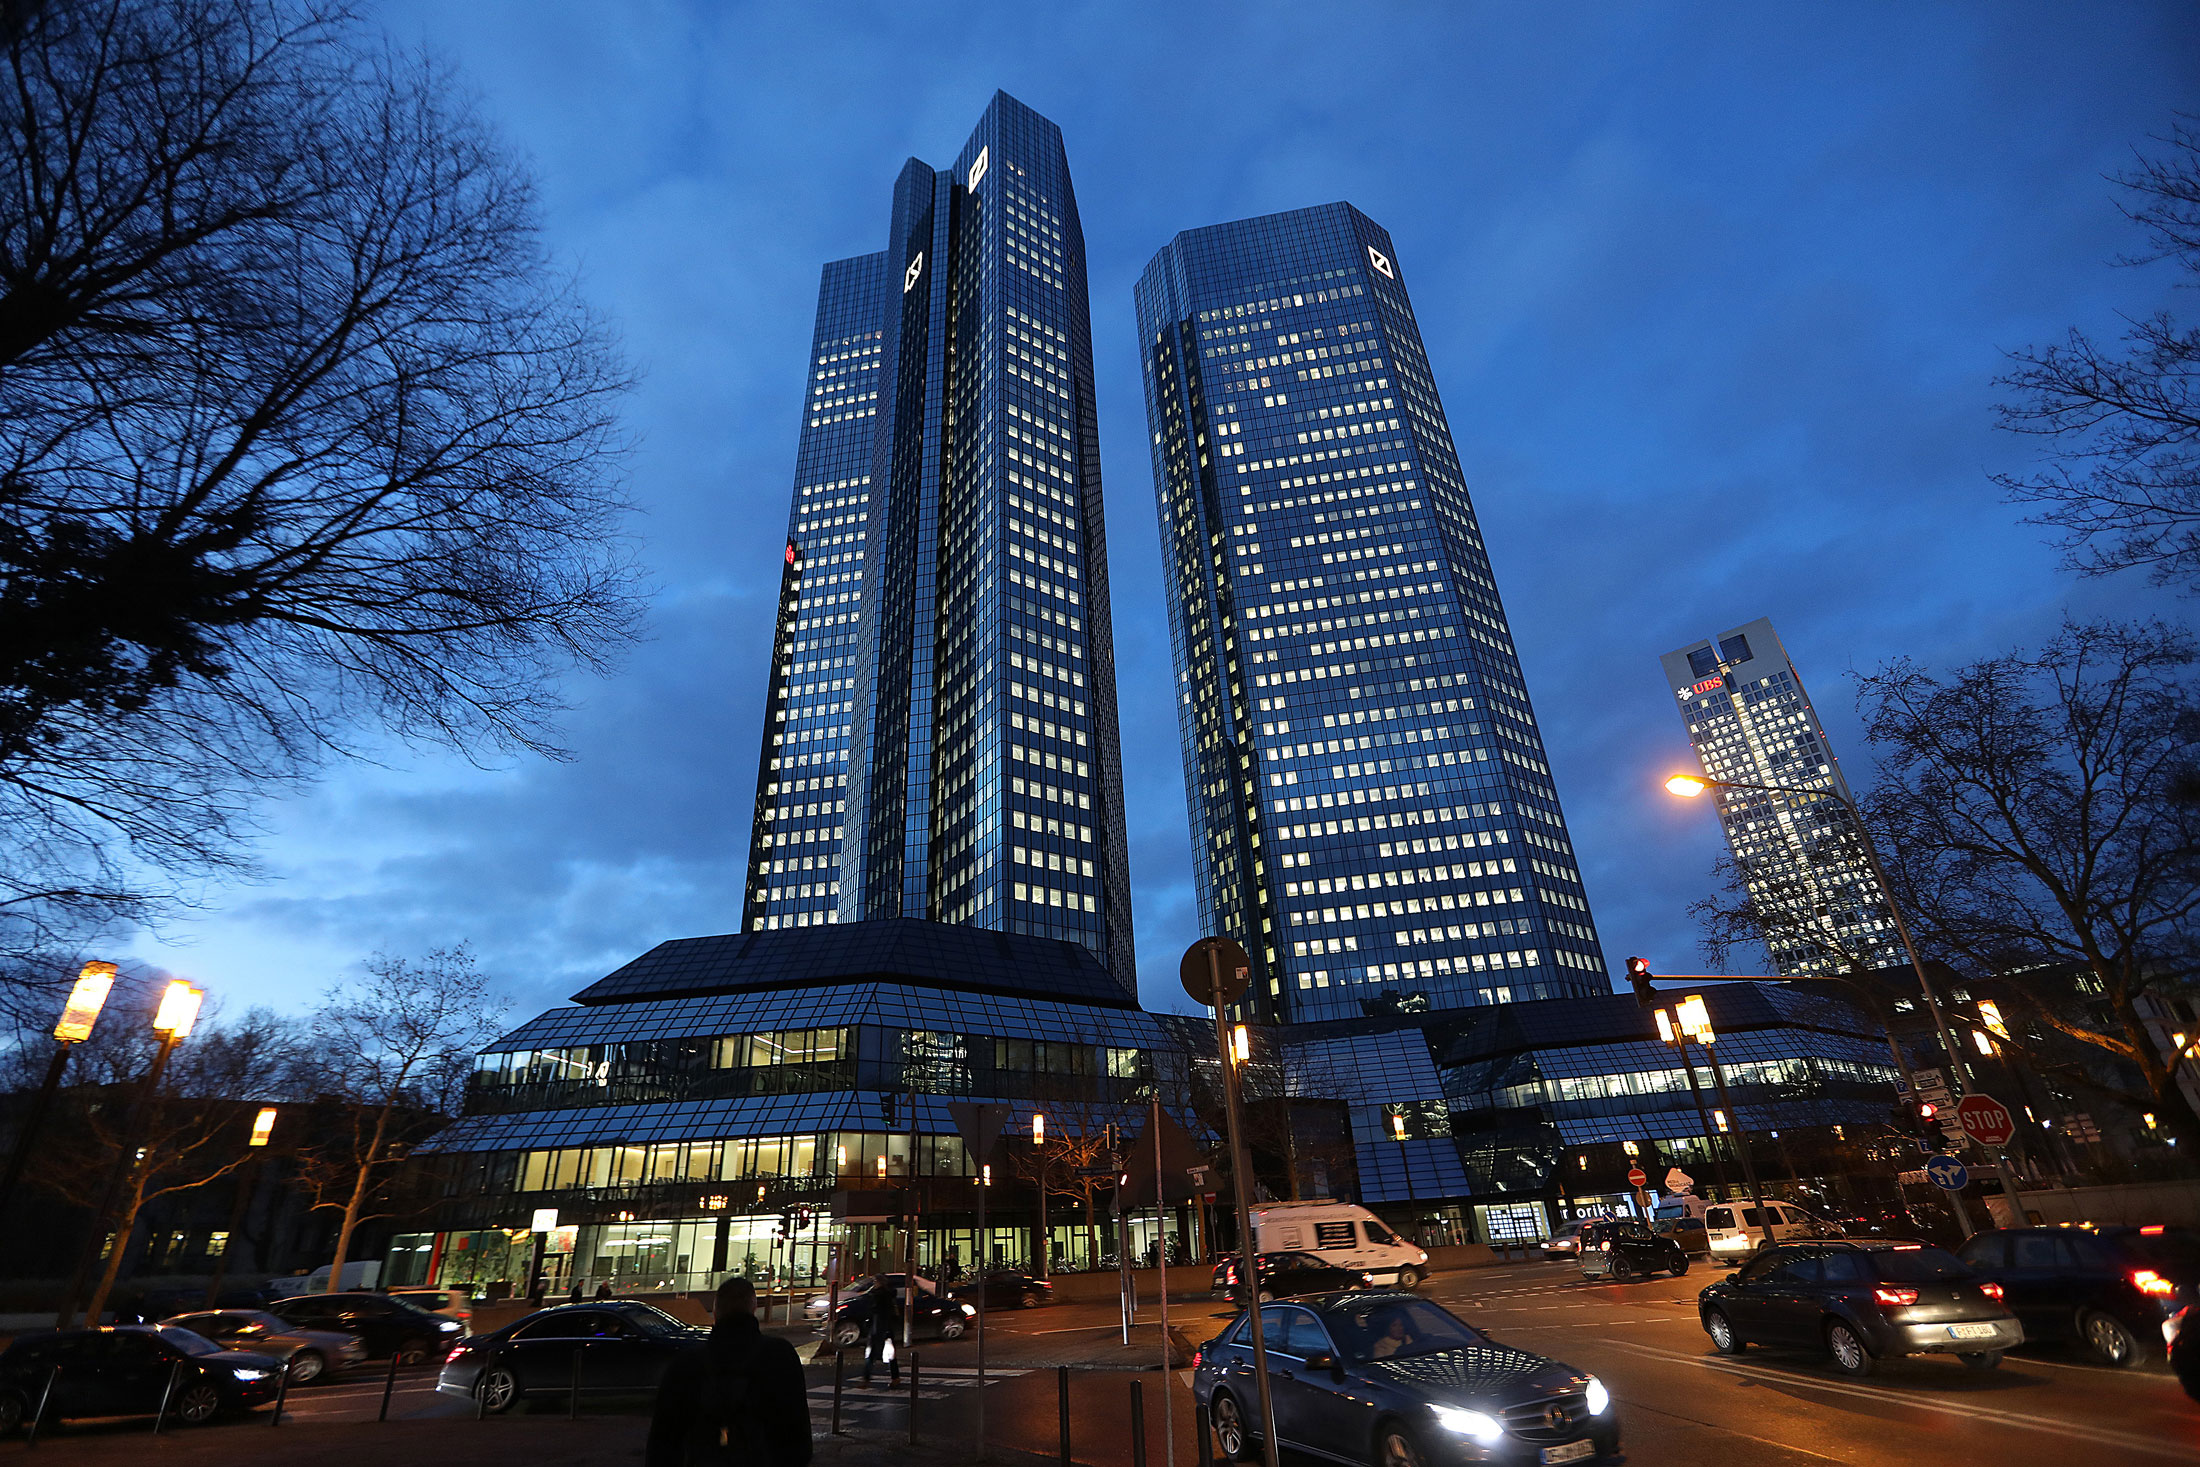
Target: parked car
[
  {"x": 935, "y": 1313},
  {"x": 385, "y": 1325},
  {"x": 1620, "y": 1248},
  {"x": 1732, "y": 1228},
  {"x": 2109, "y": 1288},
  {"x": 613, "y": 1347},
  {"x": 1285, "y": 1274},
  {"x": 1566, "y": 1242},
  {"x": 307, "y": 1354},
  {"x": 1006, "y": 1289},
  {"x": 1681, "y": 1219},
  {"x": 1390, "y": 1377},
  {"x": 1341, "y": 1233},
  {"x": 1861, "y": 1302},
  {"x": 124, "y": 1370}
]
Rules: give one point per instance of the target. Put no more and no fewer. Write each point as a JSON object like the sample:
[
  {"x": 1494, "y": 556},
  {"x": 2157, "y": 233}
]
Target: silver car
[{"x": 307, "y": 1354}]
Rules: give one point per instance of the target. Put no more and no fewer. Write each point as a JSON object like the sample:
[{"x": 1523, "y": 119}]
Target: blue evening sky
[{"x": 1714, "y": 295}]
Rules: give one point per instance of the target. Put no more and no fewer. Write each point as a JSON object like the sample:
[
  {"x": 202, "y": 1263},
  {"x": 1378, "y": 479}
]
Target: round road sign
[
  {"x": 1212, "y": 963},
  {"x": 1985, "y": 1119},
  {"x": 1636, "y": 1176},
  {"x": 1946, "y": 1173}
]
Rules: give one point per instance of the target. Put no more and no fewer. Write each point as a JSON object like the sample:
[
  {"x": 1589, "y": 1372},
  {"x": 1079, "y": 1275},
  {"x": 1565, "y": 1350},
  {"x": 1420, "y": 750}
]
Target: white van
[
  {"x": 1732, "y": 1227},
  {"x": 1340, "y": 1233},
  {"x": 360, "y": 1273}
]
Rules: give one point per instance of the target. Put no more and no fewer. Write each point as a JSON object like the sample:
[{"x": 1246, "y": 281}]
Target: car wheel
[
  {"x": 1622, "y": 1270},
  {"x": 305, "y": 1366},
  {"x": 1847, "y": 1349},
  {"x": 1721, "y": 1330},
  {"x": 13, "y": 1411},
  {"x": 951, "y": 1329},
  {"x": 1680, "y": 1265},
  {"x": 1409, "y": 1278},
  {"x": 1395, "y": 1447},
  {"x": 2105, "y": 1335},
  {"x": 412, "y": 1352},
  {"x": 1984, "y": 1360},
  {"x": 847, "y": 1335},
  {"x": 198, "y": 1403},
  {"x": 497, "y": 1389},
  {"x": 1266, "y": 1297},
  {"x": 1230, "y": 1433},
  {"x": 1029, "y": 1301}
]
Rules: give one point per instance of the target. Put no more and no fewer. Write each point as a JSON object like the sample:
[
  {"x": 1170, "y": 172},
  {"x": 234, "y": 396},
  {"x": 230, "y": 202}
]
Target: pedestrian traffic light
[
  {"x": 1638, "y": 973},
  {"x": 887, "y": 1108}
]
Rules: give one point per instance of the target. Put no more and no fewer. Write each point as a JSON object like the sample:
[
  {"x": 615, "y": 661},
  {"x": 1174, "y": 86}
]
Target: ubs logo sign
[
  {"x": 909, "y": 276},
  {"x": 1381, "y": 262}
]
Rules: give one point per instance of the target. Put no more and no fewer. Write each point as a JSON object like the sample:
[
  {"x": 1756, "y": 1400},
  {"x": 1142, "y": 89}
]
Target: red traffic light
[
  {"x": 1926, "y": 1110},
  {"x": 1638, "y": 967}
]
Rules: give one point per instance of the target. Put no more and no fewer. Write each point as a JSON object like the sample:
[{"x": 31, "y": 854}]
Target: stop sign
[
  {"x": 1636, "y": 1176},
  {"x": 1985, "y": 1119}
]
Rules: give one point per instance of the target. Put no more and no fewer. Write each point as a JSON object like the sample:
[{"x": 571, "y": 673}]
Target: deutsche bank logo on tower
[
  {"x": 1381, "y": 262},
  {"x": 909, "y": 276}
]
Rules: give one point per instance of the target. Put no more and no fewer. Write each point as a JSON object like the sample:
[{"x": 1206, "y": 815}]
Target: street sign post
[
  {"x": 1985, "y": 1120},
  {"x": 1636, "y": 1177},
  {"x": 1948, "y": 1174},
  {"x": 980, "y": 1125}
]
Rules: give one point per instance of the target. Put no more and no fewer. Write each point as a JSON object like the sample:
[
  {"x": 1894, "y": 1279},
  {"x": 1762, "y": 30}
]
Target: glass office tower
[
  {"x": 1797, "y": 855},
  {"x": 1372, "y": 813},
  {"x": 969, "y": 708}
]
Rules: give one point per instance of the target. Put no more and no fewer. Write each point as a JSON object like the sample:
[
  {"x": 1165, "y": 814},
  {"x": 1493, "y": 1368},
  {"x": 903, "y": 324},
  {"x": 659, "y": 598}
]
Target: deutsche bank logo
[
  {"x": 909, "y": 276},
  {"x": 1381, "y": 262}
]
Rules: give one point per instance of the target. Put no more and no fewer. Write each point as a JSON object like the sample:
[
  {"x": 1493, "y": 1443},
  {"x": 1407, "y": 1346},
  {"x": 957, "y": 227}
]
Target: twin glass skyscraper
[
  {"x": 1373, "y": 817},
  {"x": 941, "y": 738},
  {"x": 1372, "y": 813}
]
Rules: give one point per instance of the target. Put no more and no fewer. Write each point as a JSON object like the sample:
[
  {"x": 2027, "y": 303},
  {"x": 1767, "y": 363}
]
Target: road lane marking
[{"x": 2018, "y": 1419}]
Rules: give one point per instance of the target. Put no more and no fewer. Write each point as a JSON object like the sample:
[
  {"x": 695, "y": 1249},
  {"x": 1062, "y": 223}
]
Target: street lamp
[
  {"x": 1673, "y": 1034},
  {"x": 1694, "y": 1019},
  {"x": 93, "y": 983},
  {"x": 1689, "y": 786},
  {"x": 1039, "y": 1144}
]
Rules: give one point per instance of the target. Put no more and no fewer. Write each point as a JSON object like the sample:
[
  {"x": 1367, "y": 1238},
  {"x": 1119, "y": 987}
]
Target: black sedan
[
  {"x": 128, "y": 1370},
  {"x": 616, "y": 1347},
  {"x": 949, "y": 1318},
  {"x": 1286, "y": 1275},
  {"x": 384, "y": 1325},
  {"x": 1860, "y": 1303},
  {"x": 1007, "y": 1289},
  {"x": 1390, "y": 1378},
  {"x": 1621, "y": 1249},
  {"x": 2109, "y": 1288}
]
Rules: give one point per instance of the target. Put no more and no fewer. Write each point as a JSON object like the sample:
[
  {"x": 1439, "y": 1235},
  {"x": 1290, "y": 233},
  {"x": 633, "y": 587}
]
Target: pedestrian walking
[
  {"x": 884, "y": 1324},
  {"x": 739, "y": 1398}
]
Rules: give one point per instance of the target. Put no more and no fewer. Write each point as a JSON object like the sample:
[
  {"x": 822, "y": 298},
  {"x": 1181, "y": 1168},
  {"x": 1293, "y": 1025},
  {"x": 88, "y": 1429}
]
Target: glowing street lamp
[
  {"x": 178, "y": 1011},
  {"x": 263, "y": 1126},
  {"x": 1039, "y": 1144},
  {"x": 93, "y": 983},
  {"x": 1687, "y": 786}
]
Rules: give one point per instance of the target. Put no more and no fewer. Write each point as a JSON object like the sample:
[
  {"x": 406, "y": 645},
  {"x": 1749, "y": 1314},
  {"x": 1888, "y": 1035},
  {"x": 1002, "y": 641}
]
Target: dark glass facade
[
  {"x": 966, "y": 719},
  {"x": 1372, "y": 813}
]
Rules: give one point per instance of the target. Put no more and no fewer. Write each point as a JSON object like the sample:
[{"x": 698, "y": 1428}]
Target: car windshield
[
  {"x": 188, "y": 1342},
  {"x": 1917, "y": 1265},
  {"x": 651, "y": 1320},
  {"x": 1395, "y": 1328}
]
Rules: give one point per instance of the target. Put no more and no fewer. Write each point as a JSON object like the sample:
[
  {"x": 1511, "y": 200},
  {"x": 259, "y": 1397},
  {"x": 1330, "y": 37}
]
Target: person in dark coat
[
  {"x": 741, "y": 1397},
  {"x": 884, "y": 1326}
]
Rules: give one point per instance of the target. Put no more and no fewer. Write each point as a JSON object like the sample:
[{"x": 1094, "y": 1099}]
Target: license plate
[
  {"x": 1571, "y": 1452},
  {"x": 1970, "y": 1331}
]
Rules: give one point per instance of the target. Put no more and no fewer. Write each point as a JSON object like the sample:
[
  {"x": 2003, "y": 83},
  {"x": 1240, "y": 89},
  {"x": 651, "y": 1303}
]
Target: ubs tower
[
  {"x": 941, "y": 738},
  {"x": 1372, "y": 814}
]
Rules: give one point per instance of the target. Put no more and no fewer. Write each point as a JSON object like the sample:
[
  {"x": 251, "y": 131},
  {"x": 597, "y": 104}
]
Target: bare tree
[
  {"x": 2123, "y": 419},
  {"x": 302, "y": 437},
  {"x": 390, "y": 1052},
  {"x": 2037, "y": 828}
]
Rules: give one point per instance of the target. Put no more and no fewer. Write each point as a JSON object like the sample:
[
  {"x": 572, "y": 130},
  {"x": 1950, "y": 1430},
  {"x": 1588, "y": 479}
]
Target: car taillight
[
  {"x": 1991, "y": 1291},
  {"x": 2147, "y": 1281},
  {"x": 1895, "y": 1298}
]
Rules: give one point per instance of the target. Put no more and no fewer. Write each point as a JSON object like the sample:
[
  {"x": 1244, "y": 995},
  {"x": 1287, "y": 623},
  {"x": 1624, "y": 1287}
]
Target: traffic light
[
  {"x": 887, "y": 1108},
  {"x": 1915, "y": 1118},
  {"x": 1638, "y": 973}
]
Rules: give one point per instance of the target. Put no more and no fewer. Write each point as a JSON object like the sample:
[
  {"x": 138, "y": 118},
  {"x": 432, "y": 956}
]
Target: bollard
[
  {"x": 174, "y": 1371},
  {"x": 1063, "y": 1382},
  {"x": 282, "y": 1389},
  {"x": 38, "y": 1418},
  {"x": 389, "y": 1384},
  {"x": 573, "y": 1398},
  {"x": 1138, "y": 1421},
  {"x": 840, "y": 1357},
  {"x": 913, "y": 1360},
  {"x": 1205, "y": 1434}
]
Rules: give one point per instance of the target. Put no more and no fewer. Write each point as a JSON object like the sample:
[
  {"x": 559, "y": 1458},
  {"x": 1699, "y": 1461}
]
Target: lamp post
[
  {"x": 1039, "y": 1144},
  {"x": 263, "y": 1131},
  {"x": 1694, "y": 1019},
  {"x": 1690, "y": 786},
  {"x": 1673, "y": 1034},
  {"x": 93, "y": 984}
]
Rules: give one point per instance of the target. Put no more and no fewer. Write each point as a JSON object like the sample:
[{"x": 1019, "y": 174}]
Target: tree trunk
[
  {"x": 357, "y": 1201},
  {"x": 2172, "y": 1111},
  {"x": 133, "y": 1198}
]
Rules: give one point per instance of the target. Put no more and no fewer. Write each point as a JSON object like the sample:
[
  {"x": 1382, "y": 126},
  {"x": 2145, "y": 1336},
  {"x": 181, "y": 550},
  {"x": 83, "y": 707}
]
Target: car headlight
[
  {"x": 1599, "y": 1397},
  {"x": 1477, "y": 1424},
  {"x": 968, "y": 1310},
  {"x": 448, "y": 1325},
  {"x": 250, "y": 1372}
]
